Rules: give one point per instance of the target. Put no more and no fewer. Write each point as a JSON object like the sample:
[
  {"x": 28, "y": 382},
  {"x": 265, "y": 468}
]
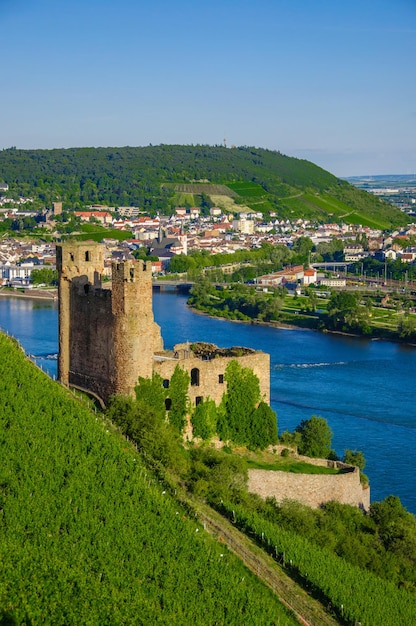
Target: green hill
[
  {"x": 88, "y": 536},
  {"x": 162, "y": 177}
]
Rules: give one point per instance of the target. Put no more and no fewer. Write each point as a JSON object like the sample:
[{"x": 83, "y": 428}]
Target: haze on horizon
[{"x": 325, "y": 81}]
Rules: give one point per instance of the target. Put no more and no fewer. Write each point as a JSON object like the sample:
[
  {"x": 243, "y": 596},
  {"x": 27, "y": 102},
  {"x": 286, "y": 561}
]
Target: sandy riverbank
[{"x": 38, "y": 294}]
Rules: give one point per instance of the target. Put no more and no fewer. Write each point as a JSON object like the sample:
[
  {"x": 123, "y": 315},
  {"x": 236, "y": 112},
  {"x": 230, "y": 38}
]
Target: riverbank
[
  {"x": 388, "y": 337},
  {"x": 39, "y": 294}
]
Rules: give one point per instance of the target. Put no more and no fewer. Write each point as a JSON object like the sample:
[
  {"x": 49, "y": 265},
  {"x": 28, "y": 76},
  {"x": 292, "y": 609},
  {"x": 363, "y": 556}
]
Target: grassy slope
[{"x": 88, "y": 536}]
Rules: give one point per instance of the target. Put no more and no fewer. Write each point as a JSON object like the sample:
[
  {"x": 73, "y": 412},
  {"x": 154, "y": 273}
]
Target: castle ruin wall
[
  {"x": 310, "y": 489},
  {"x": 207, "y": 376},
  {"x": 90, "y": 343}
]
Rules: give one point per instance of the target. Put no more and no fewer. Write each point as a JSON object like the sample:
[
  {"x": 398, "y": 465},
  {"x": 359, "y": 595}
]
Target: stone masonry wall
[
  {"x": 210, "y": 373},
  {"x": 310, "y": 489},
  {"x": 108, "y": 338},
  {"x": 136, "y": 336},
  {"x": 91, "y": 363}
]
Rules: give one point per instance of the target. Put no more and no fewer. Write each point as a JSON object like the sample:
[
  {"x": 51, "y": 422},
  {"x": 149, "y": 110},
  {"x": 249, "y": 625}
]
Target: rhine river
[{"x": 364, "y": 389}]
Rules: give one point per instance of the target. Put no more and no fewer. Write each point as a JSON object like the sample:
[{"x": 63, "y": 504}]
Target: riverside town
[{"x": 172, "y": 427}]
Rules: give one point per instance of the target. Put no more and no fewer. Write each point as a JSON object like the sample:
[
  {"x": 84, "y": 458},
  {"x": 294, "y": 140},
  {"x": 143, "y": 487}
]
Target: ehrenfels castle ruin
[{"x": 108, "y": 337}]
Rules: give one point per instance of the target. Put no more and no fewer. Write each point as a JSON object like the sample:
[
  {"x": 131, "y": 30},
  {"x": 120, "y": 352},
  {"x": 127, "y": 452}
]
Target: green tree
[
  {"x": 407, "y": 328},
  {"x": 354, "y": 457},
  {"x": 215, "y": 474},
  {"x": 149, "y": 430},
  {"x": 46, "y": 275},
  {"x": 345, "y": 313},
  {"x": 263, "y": 431},
  {"x": 303, "y": 246},
  {"x": 181, "y": 263},
  {"x": 396, "y": 527},
  {"x": 178, "y": 394},
  {"x": 204, "y": 419},
  {"x": 316, "y": 437},
  {"x": 151, "y": 392}
]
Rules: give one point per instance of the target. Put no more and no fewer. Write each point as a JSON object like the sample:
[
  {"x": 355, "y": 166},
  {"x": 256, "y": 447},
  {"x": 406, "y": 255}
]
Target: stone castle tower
[{"x": 107, "y": 338}]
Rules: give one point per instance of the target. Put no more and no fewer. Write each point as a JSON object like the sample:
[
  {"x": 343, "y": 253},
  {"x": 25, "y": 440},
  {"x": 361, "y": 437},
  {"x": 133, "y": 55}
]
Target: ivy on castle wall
[{"x": 152, "y": 393}]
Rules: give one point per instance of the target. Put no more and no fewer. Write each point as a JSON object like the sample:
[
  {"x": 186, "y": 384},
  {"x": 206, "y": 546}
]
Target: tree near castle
[
  {"x": 179, "y": 401},
  {"x": 243, "y": 418},
  {"x": 204, "y": 419},
  {"x": 316, "y": 437}
]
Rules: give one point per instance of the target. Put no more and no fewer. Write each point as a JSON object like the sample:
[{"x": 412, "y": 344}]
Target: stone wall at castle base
[{"x": 310, "y": 489}]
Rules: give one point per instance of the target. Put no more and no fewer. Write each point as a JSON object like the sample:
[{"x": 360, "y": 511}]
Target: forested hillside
[
  {"x": 88, "y": 536},
  {"x": 153, "y": 178}
]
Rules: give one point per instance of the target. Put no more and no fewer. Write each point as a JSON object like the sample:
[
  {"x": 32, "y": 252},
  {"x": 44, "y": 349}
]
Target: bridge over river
[{"x": 182, "y": 286}]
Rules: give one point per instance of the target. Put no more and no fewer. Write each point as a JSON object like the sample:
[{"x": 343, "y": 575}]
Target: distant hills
[{"x": 158, "y": 178}]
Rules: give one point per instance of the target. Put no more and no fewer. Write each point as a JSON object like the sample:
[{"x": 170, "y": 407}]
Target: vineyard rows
[
  {"x": 356, "y": 596},
  {"x": 88, "y": 536},
  {"x": 208, "y": 189}
]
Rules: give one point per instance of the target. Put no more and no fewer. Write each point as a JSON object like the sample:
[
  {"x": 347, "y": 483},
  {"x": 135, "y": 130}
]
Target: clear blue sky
[{"x": 325, "y": 80}]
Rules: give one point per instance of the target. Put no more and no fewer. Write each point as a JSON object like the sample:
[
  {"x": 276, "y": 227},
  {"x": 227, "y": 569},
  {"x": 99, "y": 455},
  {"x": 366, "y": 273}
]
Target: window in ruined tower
[
  {"x": 87, "y": 256},
  {"x": 221, "y": 379},
  {"x": 166, "y": 383},
  {"x": 71, "y": 256},
  {"x": 198, "y": 400},
  {"x": 195, "y": 377},
  {"x": 168, "y": 404}
]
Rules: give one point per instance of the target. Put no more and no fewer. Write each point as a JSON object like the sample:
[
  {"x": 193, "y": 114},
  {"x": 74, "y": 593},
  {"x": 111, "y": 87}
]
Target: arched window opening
[
  {"x": 168, "y": 404},
  {"x": 198, "y": 400},
  {"x": 221, "y": 379},
  {"x": 195, "y": 377},
  {"x": 166, "y": 383},
  {"x": 87, "y": 256}
]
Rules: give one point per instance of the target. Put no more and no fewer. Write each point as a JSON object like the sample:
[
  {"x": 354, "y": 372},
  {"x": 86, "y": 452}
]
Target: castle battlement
[{"x": 131, "y": 271}]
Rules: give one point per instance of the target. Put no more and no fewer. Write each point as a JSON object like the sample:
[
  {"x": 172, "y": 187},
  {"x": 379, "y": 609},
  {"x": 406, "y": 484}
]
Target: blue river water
[{"x": 364, "y": 389}]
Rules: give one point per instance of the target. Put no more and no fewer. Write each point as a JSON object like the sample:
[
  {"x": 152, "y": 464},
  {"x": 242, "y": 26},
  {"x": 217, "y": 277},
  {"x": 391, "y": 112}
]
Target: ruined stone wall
[
  {"x": 208, "y": 376},
  {"x": 106, "y": 338},
  {"x": 92, "y": 365},
  {"x": 79, "y": 266},
  {"x": 136, "y": 336},
  {"x": 310, "y": 489}
]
